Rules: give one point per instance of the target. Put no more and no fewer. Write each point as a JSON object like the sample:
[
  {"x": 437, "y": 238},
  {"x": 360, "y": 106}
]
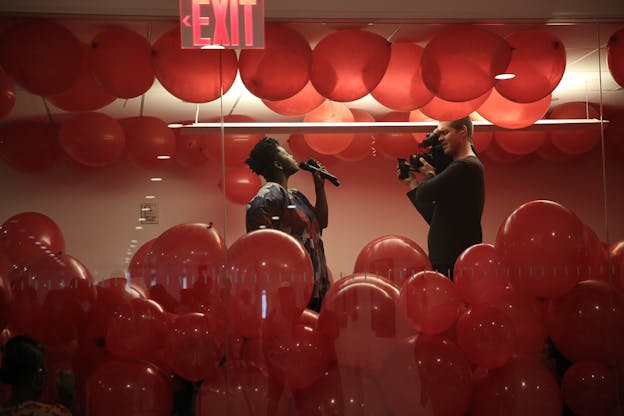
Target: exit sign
[{"x": 234, "y": 24}]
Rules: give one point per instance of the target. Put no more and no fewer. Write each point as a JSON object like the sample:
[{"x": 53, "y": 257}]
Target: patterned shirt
[
  {"x": 32, "y": 408},
  {"x": 291, "y": 212}
]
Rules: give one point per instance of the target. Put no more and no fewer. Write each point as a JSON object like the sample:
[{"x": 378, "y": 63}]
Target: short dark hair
[
  {"x": 262, "y": 156},
  {"x": 22, "y": 359},
  {"x": 466, "y": 121}
]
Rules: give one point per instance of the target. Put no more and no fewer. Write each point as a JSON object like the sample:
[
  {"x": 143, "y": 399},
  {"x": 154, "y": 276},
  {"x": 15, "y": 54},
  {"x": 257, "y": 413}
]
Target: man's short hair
[
  {"x": 466, "y": 121},
  {"x": 22, "y": 359},
  {"x": 262, "y": 156}
]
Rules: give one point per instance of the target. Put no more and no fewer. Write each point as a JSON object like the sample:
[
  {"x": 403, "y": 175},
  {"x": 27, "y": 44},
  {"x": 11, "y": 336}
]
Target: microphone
[{"x": 312, "y": 166}]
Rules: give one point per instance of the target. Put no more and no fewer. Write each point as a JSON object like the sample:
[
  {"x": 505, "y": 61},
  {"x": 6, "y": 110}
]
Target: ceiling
[{"x": 584, "y": 31}]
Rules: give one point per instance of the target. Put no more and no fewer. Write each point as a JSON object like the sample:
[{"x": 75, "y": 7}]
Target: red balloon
[
  {"x": 359, "y": 318},
  {"x": 439, "y": 109},
  {"x": 342, "y": 391},
  {"x": 590, "y": 388},
  {"x": 329, "y": 112},
  {"x": 41, "y": 56},
  {"x": 111, "y": 293},
  {"x": 486, "y": 335},
  {"x": 478, "y": 275},
  {"x": 478, "y": 56},
  {"x": 301, "y": 103},
  {"x": 512, "y": 115},
  {"x": 362, "y": 145},
  {"x": 615, "y": 56},
  {"x": 271, "y": 279},
  {"x": 242, "y": 389},
  {"x": 195, "y": 345},
  {"x": 302, "y": 151},
  {"x": 189, "y": 149},
  {"x": 538, "y": 61},
  {"x": 136, "y": 268},
  {"x": 575, "y": 142},
  {"x": 402, "y": 87},
  {"x": 396, "y": 144},
  {"x": 520, "y": 142},
  {"x": 241, "y": 184},
  {"x": 85, "y": 94},
  {"x": 426, "y": 375},
  {"x": 236, "y": 146},
  {"x": 394, "y": 257},
  {"x": 29, "y": 146},
  {"x": 128, "y": 388},
  {"x": 542, "y": 247},
  {"x": 27, "y": 235},
  {"x": 497, "y": 155},
  {"x": 281, "y": 69},
  {"x": 526, "y": 314},
  {"x": 52, "y": 297},
  {"x": 7, "y": 94},
  {"x": 430, "y": 301},
  {"x": 586, "y": 322},
  {"x": 482, "y": 140},
  {"x": 183, "y": 266},
  {"x": 136, "y": 329},
  {"x": 348, "y": 64},
  {"x": 549, "y": 152},
  {"x": 122, "y": 62},
  {"x": 150, "y": 142},
  {"x": 523, "y": 387},
  {"x": 92, "y": 139},
  {"x": 193, "y": 75},
  {"x": 299, "y": 357}
]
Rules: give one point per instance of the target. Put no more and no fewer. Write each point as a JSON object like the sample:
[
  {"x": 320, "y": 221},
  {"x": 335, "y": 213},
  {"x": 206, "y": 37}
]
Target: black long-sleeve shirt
[{"x": 452, "y": 204}]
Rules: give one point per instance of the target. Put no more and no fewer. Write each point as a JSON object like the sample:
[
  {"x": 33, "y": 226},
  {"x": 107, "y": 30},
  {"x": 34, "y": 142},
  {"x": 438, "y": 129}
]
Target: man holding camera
[{"x": 450, "y": 198}]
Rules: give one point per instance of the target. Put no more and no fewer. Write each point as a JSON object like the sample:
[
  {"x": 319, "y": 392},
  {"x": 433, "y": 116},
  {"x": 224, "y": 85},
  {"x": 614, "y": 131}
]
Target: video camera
[{"x": 434, "y": 155}]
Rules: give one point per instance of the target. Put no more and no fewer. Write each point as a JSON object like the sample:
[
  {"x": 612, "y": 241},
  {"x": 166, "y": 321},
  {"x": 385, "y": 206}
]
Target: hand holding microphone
[{"x": 313, "y": 166}]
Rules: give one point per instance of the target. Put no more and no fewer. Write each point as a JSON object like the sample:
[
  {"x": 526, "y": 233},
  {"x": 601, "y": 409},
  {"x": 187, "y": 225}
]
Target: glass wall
[{"x": 168, "y": 269}]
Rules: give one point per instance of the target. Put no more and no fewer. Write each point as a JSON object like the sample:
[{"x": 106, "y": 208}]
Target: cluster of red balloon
[
  {"x": 547, "y": 277},
  {"x": 391, "y": 329}
]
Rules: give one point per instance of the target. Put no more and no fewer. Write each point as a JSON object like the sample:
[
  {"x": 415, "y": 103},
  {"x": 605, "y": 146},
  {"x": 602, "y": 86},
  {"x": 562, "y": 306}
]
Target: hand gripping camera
[{"x": 434, "y": 155}]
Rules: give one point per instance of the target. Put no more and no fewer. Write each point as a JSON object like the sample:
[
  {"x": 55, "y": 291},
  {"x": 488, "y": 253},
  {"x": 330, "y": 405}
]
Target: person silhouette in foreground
[{"x": 24, "y": 368}]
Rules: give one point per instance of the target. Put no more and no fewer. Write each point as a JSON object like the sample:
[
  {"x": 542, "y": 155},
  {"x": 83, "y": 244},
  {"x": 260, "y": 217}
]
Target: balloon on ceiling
[
  {"x": 615, "y": 56},
  {"x": 86, "y": 94},
  {"x": 122, "y": 62},
  {"x": 510, "y": 114},
  {"x": 281, "y": 69},
  {"x": 306, "y": 100},
  {"x": 402, "y": 87},
  {"x": 42, "y": 56},
  {"x": 440, "y": 109},
  {"x": 193, "y": 75},
  {"x": 538, "y": 62},
  {"x": 349, "y": 63},
  {"x": 460, "y": 63}
]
